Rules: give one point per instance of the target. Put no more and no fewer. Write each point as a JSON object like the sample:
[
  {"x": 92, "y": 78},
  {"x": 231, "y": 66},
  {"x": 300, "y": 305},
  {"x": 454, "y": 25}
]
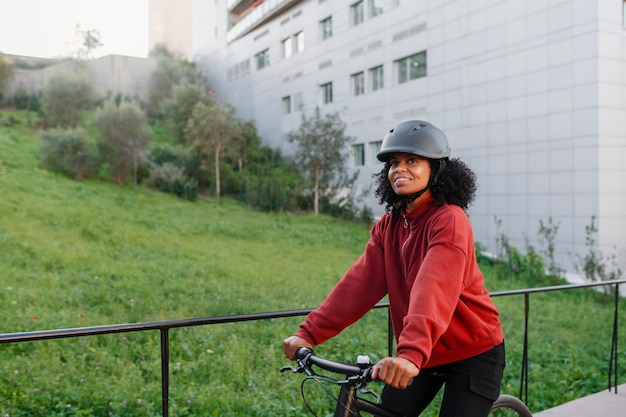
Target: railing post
[
  {"x": 165, "y": 371},
  {"x": 523, "y": 387},
  {"x": 390, "y": 335},
  {"x": 613, "y": 357}
]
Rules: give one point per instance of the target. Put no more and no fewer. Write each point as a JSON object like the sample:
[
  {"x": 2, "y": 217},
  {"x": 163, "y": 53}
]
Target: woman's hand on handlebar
[
  {"x": 395, "y": 371},
  {"x": 292, "y": 344}
]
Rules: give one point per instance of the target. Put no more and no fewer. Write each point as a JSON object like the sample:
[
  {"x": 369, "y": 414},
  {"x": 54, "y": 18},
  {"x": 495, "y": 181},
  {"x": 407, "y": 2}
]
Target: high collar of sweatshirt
[{"x": 427, "y": 204}]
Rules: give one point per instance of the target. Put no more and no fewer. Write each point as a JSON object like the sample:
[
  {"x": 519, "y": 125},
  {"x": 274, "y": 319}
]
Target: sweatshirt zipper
[{"x": 406, "y": 225}]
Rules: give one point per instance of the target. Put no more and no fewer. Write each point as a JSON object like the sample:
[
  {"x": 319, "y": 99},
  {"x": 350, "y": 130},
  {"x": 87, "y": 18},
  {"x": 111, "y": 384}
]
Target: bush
[
  {"x": 70, "y": 152},
  {"x": 189, "y": 164},
  {"x": 23, "y": 100},
  {"x": 6, "y": 72},
  {"x": 170, "y": 178},
  {"x": 274, "y": 190}
]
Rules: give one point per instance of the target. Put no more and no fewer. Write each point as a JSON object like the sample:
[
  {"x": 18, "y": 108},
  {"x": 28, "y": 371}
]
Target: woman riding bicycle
[{"x": 421, "y": 254}]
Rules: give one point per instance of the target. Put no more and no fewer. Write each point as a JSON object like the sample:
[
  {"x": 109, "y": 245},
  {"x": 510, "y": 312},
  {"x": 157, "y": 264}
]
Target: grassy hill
[{"x": 77, "y": 254}]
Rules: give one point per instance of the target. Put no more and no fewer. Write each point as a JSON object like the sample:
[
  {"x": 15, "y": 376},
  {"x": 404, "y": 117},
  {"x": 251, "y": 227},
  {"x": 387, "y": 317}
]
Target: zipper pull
[{"x": 406, "y": 222}]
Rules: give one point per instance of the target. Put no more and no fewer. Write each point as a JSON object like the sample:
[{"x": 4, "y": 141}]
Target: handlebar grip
[
  {"x": 307, "y": 355},
  {"x": 303, "y": 352}
]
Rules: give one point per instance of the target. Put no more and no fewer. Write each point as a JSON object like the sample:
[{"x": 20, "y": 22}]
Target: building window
[
  {"x": 299, "y": 41},
  {"x": 287, "y": 48},
  {"x": 374, "y": 149},
  {"x": 376, "y": 7},
  {"x": 327, "y": 93},
  {"x": 287, "y": 105},
  {"x": 262, "y": 59},
  {"x": 358, "y": 83},
  {"x": 358, "y": 151},
  {"x": 356, "y": 13},
  {"x": 297, "y": 101},
  {"x": 376, "y": 78},
  {"x": 326, "y": 27},
  {"x": 412, "y": 67}
]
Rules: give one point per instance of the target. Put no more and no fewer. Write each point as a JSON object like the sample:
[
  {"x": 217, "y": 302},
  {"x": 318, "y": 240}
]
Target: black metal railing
[
  {"x": 613, "y": 369},
  {"x": 165, "y": 326}
]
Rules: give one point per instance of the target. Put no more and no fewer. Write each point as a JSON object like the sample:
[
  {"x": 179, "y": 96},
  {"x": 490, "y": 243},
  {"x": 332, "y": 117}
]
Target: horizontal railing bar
[
  {"x": 557, "y": 288},
  {"x": 169, "y": 324},
  {"x": 156, "y": 325},
  {"x": 136, "y": 327}
]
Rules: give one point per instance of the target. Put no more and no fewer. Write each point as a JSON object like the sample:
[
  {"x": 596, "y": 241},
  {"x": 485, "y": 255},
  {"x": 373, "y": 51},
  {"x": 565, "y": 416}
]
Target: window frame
[
  {"x": 357, "y": 13},
  {"x": 374, "y": 148},
  {"x": 326, "y": 93},
  {"x": 287, "y": 44},
  {"x": 299, "y": 42},
  {"x": 326, "y": 28},
  {"x": 297, "y": 102},
  {"x": 377, "y": 78},
  {"x": 286, "y": 105},
  {"x": 410, "y": 68},
  {"x": 262, "y": 59},
  {"x": 358, "y": 154},
  {"x": 376, "y": 7},
  {"x": 358, "y": 83}
]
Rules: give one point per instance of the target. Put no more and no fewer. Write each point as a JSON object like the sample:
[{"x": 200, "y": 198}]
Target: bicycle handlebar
[{"x": 306, "y": 357}]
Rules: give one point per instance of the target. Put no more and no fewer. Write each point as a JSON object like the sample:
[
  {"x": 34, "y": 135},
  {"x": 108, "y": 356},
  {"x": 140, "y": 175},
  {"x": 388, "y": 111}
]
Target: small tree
[
  {"x": 177, "y": 109},
  {"x": 548, "y": 231},
  {"x": 209, "y": 131},
  {"x": 124, "y": 134},
  {"x": 322, "y": 151},
  {"x": 89, "y": 42},
  {"x": 170, "y": 72},
  {"x": 594, "y": 264},
  {"x": 244, "y": 143},
  {"x": 66, "y": 95}
]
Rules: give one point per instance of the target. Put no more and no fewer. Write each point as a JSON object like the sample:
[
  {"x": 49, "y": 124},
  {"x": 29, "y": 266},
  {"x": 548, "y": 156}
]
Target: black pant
[{"x": 471, "y": 387}]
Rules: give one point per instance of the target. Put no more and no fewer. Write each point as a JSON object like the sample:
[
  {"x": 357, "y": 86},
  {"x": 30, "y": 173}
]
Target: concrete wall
[{"x": 127, "y": 75}]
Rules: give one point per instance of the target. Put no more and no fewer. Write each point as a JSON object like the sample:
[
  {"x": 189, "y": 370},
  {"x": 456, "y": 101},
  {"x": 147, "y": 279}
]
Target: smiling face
[{"x": 408, "y": 174}]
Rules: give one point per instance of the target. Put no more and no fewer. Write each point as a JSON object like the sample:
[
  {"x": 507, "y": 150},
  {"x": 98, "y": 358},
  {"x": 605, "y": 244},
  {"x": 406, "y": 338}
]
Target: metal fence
[{"x": 164, "y": 327}]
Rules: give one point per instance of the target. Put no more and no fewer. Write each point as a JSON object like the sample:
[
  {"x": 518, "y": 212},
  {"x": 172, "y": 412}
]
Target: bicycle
[{"x": 358, "y": 375}]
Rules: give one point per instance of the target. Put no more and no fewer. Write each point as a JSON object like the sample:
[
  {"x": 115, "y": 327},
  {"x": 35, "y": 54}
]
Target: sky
[{"x": 47, "y": 28}]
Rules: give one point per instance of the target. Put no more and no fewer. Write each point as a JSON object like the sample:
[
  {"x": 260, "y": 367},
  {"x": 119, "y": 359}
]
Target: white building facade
[{"x": 532, "y": 95}]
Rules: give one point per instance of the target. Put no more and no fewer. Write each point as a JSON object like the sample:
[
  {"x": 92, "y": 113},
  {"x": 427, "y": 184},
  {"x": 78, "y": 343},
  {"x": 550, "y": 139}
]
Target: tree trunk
[
  {"x": 217, "y": 172},
  {"x": 316, "y": 198},
  {"x": 135, "y": 164}
]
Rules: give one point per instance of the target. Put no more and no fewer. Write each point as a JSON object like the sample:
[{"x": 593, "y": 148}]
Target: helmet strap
[
  {"x": 417, "y": 195},
  {"x": 431, "y": 181}
]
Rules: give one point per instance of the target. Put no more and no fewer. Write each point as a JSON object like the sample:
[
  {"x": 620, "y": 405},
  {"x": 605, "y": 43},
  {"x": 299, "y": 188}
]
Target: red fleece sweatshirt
[{"x": 425, "y": 262}]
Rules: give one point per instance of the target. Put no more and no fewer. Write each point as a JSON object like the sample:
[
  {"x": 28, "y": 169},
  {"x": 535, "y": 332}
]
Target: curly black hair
[{"x": 455, "y": 184}]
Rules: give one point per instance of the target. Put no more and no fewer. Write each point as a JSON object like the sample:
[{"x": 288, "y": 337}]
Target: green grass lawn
[{"x": 77, "y": 254}]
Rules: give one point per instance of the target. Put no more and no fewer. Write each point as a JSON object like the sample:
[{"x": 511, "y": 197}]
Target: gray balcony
[{"x": 263, "y": 11}]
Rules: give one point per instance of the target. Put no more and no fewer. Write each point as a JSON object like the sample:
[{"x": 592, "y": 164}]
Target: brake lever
[
  {"x": 370, "y": 392},
  {"x": 299, "y": 369},
  {"x": 291, "y": 368}
]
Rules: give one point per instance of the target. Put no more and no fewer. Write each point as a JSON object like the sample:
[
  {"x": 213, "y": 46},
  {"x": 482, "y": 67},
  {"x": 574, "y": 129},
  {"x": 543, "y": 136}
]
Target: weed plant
[{"x": 79, "y": 254}]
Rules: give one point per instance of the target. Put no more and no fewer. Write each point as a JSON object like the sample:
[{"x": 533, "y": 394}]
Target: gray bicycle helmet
[{"x": 415, "y": 137}]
